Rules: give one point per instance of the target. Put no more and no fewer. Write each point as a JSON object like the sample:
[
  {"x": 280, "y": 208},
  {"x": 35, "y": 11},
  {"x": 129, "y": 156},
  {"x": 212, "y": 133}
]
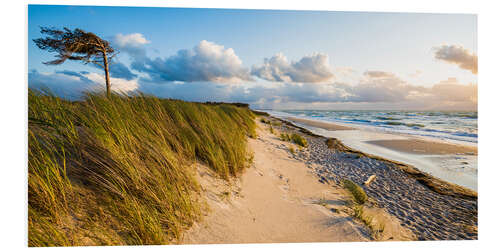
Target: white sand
[{"x": 276, "y": 200}]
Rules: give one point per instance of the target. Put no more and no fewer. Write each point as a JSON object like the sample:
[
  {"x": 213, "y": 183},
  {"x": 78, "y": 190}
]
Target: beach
[
  {"x": 280, "y": 198},
  {"x": 454, "y": 161},
  {"x": 299, "y": 197}
]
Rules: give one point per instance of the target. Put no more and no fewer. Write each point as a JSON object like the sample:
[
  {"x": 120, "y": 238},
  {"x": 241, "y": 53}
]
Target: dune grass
[
  {"x": 285, "y": 137},
  {"x": 299, "y": 140},
  {"x": 118, "y": 171},
  {"x": 357, "y": 192}
]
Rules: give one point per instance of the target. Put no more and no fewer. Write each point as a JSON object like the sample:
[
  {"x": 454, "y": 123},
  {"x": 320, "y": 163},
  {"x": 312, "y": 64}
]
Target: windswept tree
[{"x": 77, "y": 45}]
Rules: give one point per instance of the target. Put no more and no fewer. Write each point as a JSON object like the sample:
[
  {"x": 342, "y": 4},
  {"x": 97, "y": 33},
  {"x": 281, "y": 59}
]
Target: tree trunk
[{"x": 106, "y": 74}]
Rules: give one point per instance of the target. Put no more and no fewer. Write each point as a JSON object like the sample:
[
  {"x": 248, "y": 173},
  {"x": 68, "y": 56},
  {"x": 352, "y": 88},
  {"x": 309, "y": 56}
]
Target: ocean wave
[{"x": 460, "y": 126}]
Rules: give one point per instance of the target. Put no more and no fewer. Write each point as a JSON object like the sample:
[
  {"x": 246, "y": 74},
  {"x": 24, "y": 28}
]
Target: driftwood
[{"x": 370, "y": 180}]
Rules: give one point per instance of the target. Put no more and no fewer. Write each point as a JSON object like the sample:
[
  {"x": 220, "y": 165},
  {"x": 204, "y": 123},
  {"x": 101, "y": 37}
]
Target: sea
[{"x": 453, "y": 126}]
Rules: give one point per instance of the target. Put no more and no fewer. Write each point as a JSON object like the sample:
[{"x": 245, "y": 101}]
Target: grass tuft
[
  {"x": 285, "y": 137},
  {"x": 299, "y": 140},
  {"x": 357, "y": 192}
]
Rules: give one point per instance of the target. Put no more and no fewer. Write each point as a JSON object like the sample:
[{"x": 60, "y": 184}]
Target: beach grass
[
  {"x": 285, "y": 137},
  {"x": 118, "y": 170},
  {"x": 356, "y": 191},
  {"x": 299, "y": 140}
]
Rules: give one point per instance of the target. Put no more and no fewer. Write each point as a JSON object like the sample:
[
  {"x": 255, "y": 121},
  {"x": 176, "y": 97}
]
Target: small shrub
[
  {"x": 292, "y": 150},
  {"x": 276, "y": 123},
  {"x": 299, "y": 140},
  {"x": 357, "y": 192},
  {"x": 285, "y": 137},
  {"x": 265, "y": 121}
]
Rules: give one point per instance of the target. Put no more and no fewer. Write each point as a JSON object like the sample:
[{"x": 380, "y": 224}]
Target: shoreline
[
  {"x": 432, "y": 182},
  {"x": 449, "y": 162}
]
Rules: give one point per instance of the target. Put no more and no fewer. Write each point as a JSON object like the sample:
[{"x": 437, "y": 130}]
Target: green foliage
[
  {"x": 114, "y": 171},
  {"x": 285, "y": 137},
  {"x": 299, "y": 140},
  {"x": 357, "y": 192}
]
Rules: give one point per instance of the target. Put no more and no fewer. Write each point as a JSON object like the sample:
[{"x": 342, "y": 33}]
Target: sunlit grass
[
  {"x": 299, "y": 140},
  {"x": 356, "y": 191},
  {"x": 117, "y": 171}
]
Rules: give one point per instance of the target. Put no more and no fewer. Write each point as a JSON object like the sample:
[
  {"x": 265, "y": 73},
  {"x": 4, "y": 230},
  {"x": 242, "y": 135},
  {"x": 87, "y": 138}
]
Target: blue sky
[{"x": 315, "y": 59}]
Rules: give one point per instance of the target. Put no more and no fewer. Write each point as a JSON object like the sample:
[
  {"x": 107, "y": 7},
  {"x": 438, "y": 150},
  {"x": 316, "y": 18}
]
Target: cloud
[
  {"x": 416, "y": 74},
  {"x": 451, "y": 91},
  {"x": 458, "y": 55},
  {"x": 207, "y": 61},
  {"x": 378, "y": 74},
  {"x": 309, "y": 69},
  {"x": 378, "y": 89},
  {"x": 135, "y": 40},
  {"x": 72, "y": 85},
  {"x": 120, "y": 70},
  {"x": 119, "y": 85},
  {"x": 371, "y": 92},
  {"x": 133, "y": 44}
]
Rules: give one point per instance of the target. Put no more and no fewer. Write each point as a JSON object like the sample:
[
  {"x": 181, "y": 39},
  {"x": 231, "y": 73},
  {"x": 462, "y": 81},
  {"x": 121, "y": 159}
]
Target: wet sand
[
  {"x": 416, "y": 146},
  {"x": 320, "y": 124}
]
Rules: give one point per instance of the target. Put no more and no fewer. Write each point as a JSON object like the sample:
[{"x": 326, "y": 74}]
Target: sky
[{"x": 276, "y": 59}]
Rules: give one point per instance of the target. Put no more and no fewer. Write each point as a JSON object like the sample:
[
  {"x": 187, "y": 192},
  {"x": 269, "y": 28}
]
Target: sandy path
[{"x": 276, "y": 200}]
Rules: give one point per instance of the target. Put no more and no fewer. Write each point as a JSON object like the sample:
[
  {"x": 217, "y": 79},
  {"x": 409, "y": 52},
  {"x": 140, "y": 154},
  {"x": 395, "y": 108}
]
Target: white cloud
[
  {"x": 458, "y": 55},
  {"x": 450, "y": 90},
  {"x": 415, "y": 74},
  {"x": 119, "y": 85},
  {"x": 309, "y": 69},
  {"x": 130, "y": 40},
  {"x": 133, "y": 44},
  {"x": 378, "y": 74},
  {"x": 207, "y": 61}
]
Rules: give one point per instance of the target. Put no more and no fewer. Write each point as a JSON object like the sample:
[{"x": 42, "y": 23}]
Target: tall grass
[{"x": 117, "y": 171}]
